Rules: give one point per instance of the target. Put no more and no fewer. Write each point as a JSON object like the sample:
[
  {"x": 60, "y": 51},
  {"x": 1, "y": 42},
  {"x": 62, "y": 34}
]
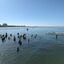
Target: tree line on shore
[{"x": 6, "y": 25}]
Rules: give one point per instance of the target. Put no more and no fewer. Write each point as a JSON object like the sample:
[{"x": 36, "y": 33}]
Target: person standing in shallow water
[
  {"x": 56, "y": 36},
  {"x": 24, "y": 36},
  {"x": 20, "y": 42},
  {"x": 27, "y": 29},
  {"x": 6, "y": 35},
  {"x": 3, "y": 38},
  {"x": 14, "y": 38},
  {"x": 28, "y": 41},
  {"x": 18, "y": 49}
]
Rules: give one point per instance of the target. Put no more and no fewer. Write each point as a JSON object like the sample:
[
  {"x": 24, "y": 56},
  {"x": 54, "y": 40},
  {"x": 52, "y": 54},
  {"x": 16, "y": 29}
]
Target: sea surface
[{"x": 44, "y": 49}]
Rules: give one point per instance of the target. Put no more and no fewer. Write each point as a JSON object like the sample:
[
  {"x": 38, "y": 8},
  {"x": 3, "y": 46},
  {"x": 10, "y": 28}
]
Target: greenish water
[{"x": 45, "y": 49}]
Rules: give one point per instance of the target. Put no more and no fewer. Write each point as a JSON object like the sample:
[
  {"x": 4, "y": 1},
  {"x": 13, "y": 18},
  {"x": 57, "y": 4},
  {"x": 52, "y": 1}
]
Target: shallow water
[{"x": 45, "y": 49}]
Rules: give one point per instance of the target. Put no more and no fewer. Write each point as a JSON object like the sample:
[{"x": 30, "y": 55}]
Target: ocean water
[{"x": 44, "y": 49}]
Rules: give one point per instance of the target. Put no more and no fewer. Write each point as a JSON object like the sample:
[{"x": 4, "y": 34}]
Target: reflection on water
[{"x": 37, "y": 48}]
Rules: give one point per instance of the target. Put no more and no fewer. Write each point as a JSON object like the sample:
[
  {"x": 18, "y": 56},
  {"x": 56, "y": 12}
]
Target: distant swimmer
[
  {"x": 17, "y": 33},
  {"x": 11, "y": 35}
]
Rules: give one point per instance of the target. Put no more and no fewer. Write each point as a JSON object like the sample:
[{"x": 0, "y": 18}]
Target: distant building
[{"x": 5, "y": 25}]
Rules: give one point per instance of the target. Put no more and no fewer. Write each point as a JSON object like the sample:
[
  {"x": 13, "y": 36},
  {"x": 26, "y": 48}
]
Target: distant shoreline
[
  {"x": 33, "y": 26},
  {"x": 6, "y": 25}
]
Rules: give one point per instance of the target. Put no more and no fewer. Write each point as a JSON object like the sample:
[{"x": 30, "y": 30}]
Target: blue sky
[{"x": 32, "y": 12}]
